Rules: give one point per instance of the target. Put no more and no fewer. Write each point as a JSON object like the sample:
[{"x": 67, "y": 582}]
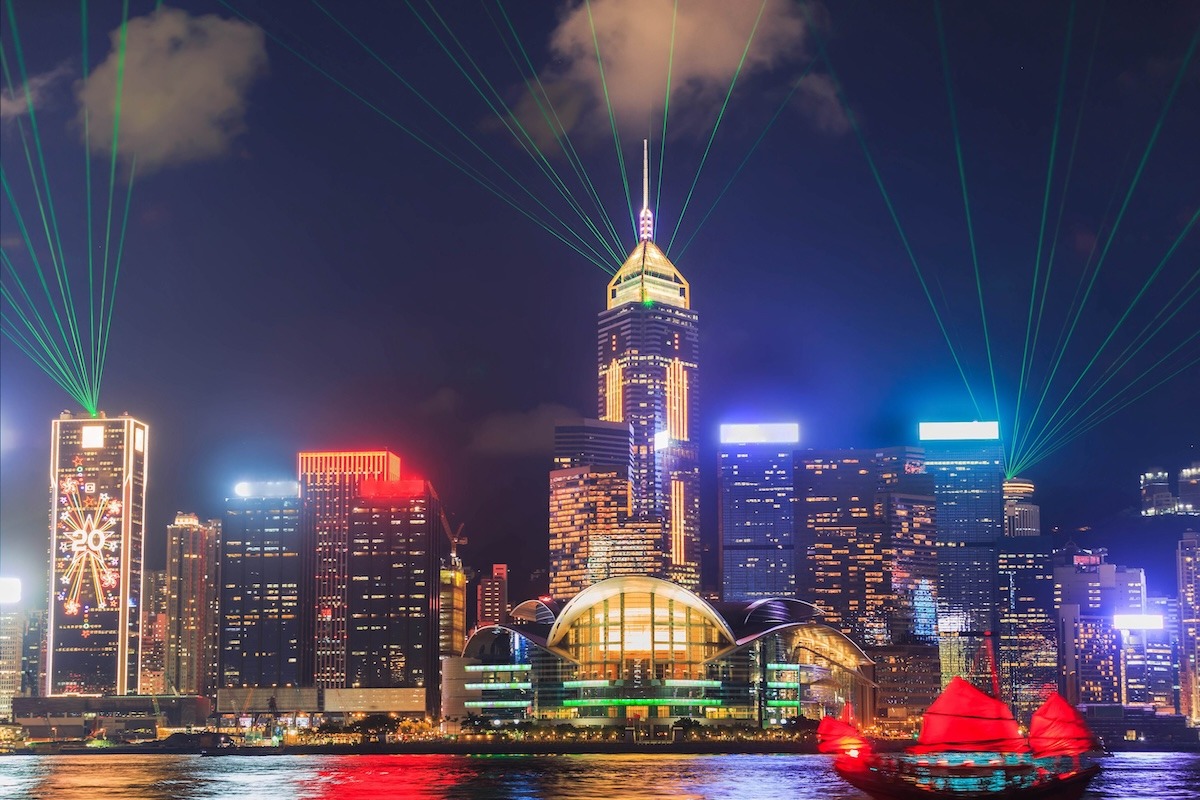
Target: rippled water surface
[{"x": 1146, "y": 776}]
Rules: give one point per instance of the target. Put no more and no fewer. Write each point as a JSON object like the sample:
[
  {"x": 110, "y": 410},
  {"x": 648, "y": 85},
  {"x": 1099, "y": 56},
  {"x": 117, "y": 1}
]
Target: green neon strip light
[
  {"x": 642, "y": 701},
  {"x": 594, "y": 684},
  {"x": 497, "y": 704},
  {"x": 716, "y": 125},
  {"x": 783, "y": 703},
  {"x": 476, "y": 687},
  {"x": 497, "y": 667},
  {"x": 685, "y": 682},
  {"x": 790, "y": 667},
  {"x": 783, "y": 684}
]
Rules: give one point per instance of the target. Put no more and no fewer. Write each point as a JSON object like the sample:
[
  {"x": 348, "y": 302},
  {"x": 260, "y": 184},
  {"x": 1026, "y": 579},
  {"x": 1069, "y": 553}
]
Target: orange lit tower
[
  {"x": 329, "y": 484},
  {"x": 647, "y": 344}
]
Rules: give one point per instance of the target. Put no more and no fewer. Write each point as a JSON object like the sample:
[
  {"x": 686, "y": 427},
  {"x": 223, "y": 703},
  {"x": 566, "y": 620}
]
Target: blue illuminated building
[{"x": 757, "y": 534}]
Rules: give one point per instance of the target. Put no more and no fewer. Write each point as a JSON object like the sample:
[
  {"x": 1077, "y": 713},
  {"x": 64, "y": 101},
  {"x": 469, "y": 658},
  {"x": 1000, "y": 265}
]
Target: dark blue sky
[{"x": 310, "y": 277}]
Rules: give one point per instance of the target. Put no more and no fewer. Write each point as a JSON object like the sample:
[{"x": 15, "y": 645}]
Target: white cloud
[
  {"x": 634, "y": 37},
  {"x": 16, "y": 104},
  {"x": 185, "y": 86},
  {"x": 516, "y": 433}
]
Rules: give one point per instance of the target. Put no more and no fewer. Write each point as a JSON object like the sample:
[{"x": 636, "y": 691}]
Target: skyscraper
[
  {"x": 398, "y": 550},
  {"x": 593, "y": 535},
  {"x": 757, "y": 511},
  {"x": 97, "y": 512},
  {"x": 154, "y": 631},
  {"x": 193, "y": 557},
  {"x": 12, "y": 634},
  {"x": 967, "y": 462},
  {"x": 492, "y": 607},
  {"x": 1156, "y": 494},
  {"x": 1022, "y": 517},
  {"x": 592, "y": 442},
  {"x": 1187, "y": 562},
  {"x": 261, "y": 573},
  {"x": 1189, "y": 489},
  {"x": 1098, "y": 606},
  {"x": 647, "y": 347},
  {"x": 866, "y": 526},
  {"x": 329, "y": 483}
]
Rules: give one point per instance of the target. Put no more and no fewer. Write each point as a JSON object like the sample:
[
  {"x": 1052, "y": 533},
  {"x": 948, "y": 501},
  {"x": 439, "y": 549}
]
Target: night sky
[{"x": 300, "y": 273}]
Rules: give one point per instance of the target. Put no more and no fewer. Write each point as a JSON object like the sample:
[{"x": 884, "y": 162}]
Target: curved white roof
[{"x": 612, "y": 587}]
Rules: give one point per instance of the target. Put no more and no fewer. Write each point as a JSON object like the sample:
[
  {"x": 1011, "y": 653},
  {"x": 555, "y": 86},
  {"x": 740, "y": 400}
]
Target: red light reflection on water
[{"x": 407, "y": 777}]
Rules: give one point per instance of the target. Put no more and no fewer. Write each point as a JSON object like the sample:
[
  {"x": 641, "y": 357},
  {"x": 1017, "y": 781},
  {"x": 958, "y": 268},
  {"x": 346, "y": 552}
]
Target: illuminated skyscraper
[
  {"x": 592, "y": 533},
  {"x": 1187, "y": 562},
  {"x": 1022, "y": 517},
  {"x": 154, "y": 631},
  {"x": 1156, "y": 494},
  {"x": 757, "y": 507},
  {"x": 967, "y": 462},
  {"x": 1189, "y": 489},
  {"x": 647, "y": 344},
  {"x": 492, "y": 597},
  {"x": 261, "y": 573},
  {"x": 865, "y": 526},
  {"x": 12, "y": 635},
  {"x": 193, "y": 557},
  {"x": 98, "y": 465},
  {"x": 329, "y": 483},
  {"x": 399, "y": 550}
]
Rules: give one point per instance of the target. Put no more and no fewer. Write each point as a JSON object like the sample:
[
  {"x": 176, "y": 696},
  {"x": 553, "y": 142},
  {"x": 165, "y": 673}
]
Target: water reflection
[{"x": 429, "y": 777}]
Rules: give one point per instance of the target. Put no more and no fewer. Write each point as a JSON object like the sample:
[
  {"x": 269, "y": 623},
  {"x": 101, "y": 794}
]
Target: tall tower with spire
[{"x": 647, "y": 344}]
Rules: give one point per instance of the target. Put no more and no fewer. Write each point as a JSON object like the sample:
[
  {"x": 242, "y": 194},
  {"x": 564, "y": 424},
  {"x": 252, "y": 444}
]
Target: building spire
[{"x": 646, "y": 219}]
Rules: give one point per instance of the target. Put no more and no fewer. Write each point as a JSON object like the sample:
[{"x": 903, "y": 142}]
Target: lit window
[
  {"x": 139, "y": 439},
  {"x": 92, "y": 437}
]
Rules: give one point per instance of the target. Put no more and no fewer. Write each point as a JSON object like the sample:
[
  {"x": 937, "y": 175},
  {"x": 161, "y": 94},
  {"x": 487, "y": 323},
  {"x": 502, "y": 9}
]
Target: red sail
[
  {"x": 964, "y": 719},
  {"x": 1057, "y": 729},
  {"x": 835, "y": 736}
]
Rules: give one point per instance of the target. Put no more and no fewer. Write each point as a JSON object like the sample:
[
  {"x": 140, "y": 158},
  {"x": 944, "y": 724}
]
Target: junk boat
[{"x": 970, "y": 747}]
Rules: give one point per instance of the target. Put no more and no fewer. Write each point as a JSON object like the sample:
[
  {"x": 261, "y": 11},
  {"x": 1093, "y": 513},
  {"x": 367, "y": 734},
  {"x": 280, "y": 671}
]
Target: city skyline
[{"x": 428, "y": 381}]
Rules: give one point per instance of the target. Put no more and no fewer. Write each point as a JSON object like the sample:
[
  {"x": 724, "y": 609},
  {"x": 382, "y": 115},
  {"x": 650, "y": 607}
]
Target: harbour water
[{"x": 1145, "y": 776}]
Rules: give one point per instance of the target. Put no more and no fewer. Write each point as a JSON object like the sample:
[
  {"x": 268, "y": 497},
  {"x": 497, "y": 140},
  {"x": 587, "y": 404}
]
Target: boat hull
[{"x": 958, "y": 783}]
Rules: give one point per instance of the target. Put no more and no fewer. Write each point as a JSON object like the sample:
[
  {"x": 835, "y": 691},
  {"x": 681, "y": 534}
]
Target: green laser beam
[
  {"x": 112, "y": 303},
  {"x": 119, "y": 92},
  {"x": 1037, "y": 260},
  {"x": 59, "y": 262},
  {"x": 429, "y": 104},
  {"x": 1141, "y": 339},
  {"x": 48, "y": 220},
  {"x": 887, "y": 200},
  {"x": 612, "y": 120},
  {"x": 93, "y": 334},
  {"x": 41, "y": 275},
  {"x": 662, "y": 145},
  {"x": 528, "y": 143},
  {"x": 962, "y": 177},
  {"x": 35, "y": 355},
  {"x": 454, "y": 161},
  {"x": 1125, "y": 203},
  {"x": 1108, "y": 409},
  {"x": 41, "y": 331},
  {"x": 1128, "y": 309},
  {"x": 787, "y": 99},
  {"x": 716, "y": 125},
  {"x": 556, "y": 126}
]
